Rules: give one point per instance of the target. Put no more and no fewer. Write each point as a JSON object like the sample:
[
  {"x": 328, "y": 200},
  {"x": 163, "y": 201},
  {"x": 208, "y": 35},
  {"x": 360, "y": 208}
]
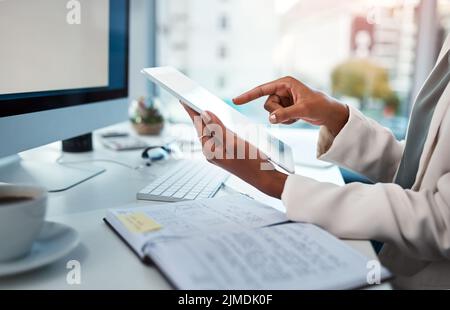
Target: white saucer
[{"x": 54, "y": 242}]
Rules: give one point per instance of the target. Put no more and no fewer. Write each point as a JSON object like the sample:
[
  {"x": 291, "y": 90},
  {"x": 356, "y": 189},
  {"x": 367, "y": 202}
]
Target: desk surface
[{"x": 106, "y": 262}]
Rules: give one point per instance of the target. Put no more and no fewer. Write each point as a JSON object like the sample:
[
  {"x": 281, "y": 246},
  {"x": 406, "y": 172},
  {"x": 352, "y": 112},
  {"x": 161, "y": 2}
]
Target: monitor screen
[{"x": 57, "y": 54}]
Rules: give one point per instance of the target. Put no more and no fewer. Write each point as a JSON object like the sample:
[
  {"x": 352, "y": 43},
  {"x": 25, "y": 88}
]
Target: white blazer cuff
[
  {"x": 333, "y": 149},
  {"x": 293, "y": 189}
]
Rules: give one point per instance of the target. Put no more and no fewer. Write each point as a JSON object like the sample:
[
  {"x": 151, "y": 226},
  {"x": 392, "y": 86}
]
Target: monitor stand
[
  {"x": 52, "y": 176},
  {"x": 81, "y": 144}
]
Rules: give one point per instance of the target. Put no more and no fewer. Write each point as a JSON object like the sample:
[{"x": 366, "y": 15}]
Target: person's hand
[
  {"x": 226, "y": 150},
  {"x": 290, "y": 100}
]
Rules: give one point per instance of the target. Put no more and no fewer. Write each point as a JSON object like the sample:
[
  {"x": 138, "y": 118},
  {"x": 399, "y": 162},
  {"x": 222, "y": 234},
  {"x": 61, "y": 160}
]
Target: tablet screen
[{"x": 201, "y": 100}]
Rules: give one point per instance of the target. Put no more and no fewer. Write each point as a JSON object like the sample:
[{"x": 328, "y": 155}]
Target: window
[
  {"x": 223, "y": 22},
  {"x": 444, "y": 17},
  {"x": 222, "y": 52},
  {"x": 221, "y": 82},
  {"x": 363, "y": 52}
]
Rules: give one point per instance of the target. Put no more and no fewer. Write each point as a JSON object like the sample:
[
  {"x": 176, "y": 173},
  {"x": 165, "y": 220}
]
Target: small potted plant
[{"x": 146, "y": 117}]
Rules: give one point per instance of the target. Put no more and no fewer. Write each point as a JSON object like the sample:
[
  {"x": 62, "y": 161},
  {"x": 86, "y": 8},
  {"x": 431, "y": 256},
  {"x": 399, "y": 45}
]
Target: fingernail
[
  {"x": 273, "y": 118},
  {"x": 205, "y": 117}
]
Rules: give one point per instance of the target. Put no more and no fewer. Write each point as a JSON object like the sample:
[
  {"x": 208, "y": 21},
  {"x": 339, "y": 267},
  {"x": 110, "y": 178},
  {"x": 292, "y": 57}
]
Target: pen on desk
[{"x": 114, "y": 135}]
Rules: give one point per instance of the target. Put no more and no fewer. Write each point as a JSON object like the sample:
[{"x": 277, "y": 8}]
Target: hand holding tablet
[{"x": 199, "y": 100}]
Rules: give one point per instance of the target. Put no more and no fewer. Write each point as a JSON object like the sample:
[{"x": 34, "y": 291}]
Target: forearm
[
  {"x": 272, "y": 183},
  {"x": 415, "y": 222}
]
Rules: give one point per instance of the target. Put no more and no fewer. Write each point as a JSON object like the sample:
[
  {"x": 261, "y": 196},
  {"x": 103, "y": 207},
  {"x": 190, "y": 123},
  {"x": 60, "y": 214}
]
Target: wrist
[
  {"x": 272, "y": 183},
  {"x": 337, "y": 118}
]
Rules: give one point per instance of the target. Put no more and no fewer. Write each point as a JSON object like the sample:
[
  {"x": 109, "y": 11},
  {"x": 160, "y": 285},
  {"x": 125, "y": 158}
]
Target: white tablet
[{"x": 201, "y": 100}]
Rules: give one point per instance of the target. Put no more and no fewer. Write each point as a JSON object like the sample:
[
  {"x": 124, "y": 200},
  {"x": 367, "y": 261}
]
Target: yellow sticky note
[{"x": 139, "y": 222}]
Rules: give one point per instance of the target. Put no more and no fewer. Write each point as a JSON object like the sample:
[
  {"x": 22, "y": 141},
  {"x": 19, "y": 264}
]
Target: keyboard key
[
  {"x": 185, "y": 181},
  {"x": 179, "y": 195},
  {"x": 191, "y": 196}
]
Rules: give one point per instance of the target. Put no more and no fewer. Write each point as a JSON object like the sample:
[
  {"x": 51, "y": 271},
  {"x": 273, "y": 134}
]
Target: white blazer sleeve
[
  {"x": 418, "y": 223},
  {"x": 363, "y": 146}
]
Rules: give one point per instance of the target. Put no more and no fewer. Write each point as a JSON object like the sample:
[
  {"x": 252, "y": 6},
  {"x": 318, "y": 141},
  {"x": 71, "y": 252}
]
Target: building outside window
[
  {"x": 363, "y": 52},
  {"x": 223, "y": 22}
]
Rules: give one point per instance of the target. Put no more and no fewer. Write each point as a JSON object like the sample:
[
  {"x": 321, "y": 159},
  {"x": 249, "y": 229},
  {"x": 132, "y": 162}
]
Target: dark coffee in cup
[{"x": 22, "y": 215}]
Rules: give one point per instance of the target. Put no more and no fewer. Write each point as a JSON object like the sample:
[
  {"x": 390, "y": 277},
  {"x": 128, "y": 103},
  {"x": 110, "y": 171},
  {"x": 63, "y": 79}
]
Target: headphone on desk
[{"x": 155, "y": 153}]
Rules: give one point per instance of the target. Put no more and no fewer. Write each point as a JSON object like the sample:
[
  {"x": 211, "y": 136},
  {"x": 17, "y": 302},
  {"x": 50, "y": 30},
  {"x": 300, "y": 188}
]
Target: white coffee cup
[{"x": 22, "y": 216}]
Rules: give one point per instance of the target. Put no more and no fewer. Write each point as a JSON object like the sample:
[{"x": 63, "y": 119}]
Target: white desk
[{"x": 106, "y": 262}]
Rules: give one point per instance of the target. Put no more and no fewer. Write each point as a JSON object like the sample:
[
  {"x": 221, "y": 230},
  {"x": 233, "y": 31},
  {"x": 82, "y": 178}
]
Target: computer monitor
[{"x": 64, "y": 73}]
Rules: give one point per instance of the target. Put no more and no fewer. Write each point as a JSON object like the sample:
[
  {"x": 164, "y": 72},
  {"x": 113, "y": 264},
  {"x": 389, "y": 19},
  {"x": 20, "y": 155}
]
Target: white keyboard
[{"x": 187, "y": 180}]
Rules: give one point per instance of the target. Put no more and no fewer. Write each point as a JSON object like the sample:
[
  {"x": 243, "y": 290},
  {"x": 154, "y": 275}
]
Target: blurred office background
[{"x": 373, "y": 54}]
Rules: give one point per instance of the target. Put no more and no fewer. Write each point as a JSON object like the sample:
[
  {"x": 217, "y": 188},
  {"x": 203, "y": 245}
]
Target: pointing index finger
[{"x": 258, "y": 92}]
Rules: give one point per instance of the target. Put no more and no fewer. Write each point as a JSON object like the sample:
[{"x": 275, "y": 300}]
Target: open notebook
[{"x": 235, "y": 242}]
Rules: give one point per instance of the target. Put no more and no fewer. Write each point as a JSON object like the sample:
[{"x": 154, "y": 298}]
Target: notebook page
[
  {"x": 200, "y": 217},
  {"x": 288, "y": 256},
  {"x": 135, "y": 241}
]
